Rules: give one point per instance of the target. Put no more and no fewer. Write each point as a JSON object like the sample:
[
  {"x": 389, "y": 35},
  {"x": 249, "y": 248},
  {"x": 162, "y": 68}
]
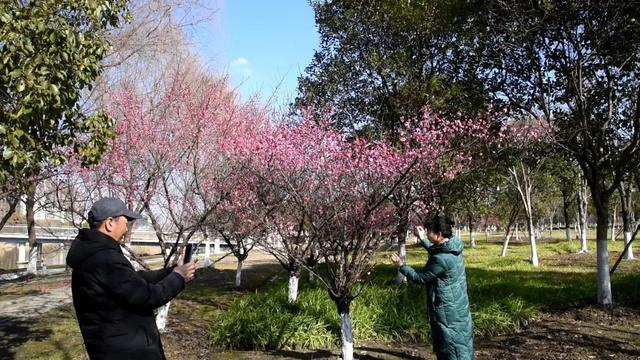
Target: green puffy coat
[{"x": 447, "y": 299}]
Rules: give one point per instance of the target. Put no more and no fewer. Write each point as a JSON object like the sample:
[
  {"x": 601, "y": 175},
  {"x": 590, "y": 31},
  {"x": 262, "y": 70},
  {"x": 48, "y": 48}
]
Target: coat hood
[
  {"x": 453, "y": 246},
  {"x": 86, "y": 244}
]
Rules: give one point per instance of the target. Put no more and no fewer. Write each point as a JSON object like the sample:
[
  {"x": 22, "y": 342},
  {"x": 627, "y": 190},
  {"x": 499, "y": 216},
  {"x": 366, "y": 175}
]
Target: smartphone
[{"x": 188, "y": 251}]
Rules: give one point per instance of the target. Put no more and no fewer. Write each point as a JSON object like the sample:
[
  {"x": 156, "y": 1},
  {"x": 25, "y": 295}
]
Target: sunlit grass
[{"x": 505, "y": 294}]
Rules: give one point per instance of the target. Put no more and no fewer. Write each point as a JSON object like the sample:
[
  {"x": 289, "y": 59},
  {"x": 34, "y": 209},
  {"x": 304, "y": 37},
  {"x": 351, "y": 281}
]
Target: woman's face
[{"x": 435, "y": 238}]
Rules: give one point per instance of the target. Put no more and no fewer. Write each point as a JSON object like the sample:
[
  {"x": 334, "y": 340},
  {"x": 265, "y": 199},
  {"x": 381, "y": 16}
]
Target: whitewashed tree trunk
[
  {"x": 584, "y": 246},
  {"x": 207, "y": 253},
  {"x": 292, "y": 294},
  {"x": 35, "y": 248},
  {"x": 216, "y": 245},
  {"x": 534, "y": 247},
  {"x": 162, "y": 314},
  {"x": 627, "y": 238},
  {"x": 604, "y": 280},
  {"x": 517, "y": 233},
  {"x": 505, "y": 245},
  {"x": 347, "y": 336},
  {"x": 472, "y": 235},
  {"x": 238, "y": 282},
  {"x": 582, "y": 208},
  {"x": 401, "y": 234},
  {"x": 402, "y": 252},
  {"x": 521, "y": 179},
  {"x": 613, "y": 223},
  {"x": 605, "y": 296},
  {"x": 513, "y": 220},
  {"x": 34, "y": 256},
  {"x": 628, "y": 219}
]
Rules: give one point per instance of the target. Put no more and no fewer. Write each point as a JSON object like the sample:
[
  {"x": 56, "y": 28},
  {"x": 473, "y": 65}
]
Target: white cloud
[
  {"x": 240, "y": 62},
  {"x": 241, "y": 67}
]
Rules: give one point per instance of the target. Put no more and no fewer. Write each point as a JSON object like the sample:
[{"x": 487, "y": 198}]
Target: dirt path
[{"x": 35, "y": 305}]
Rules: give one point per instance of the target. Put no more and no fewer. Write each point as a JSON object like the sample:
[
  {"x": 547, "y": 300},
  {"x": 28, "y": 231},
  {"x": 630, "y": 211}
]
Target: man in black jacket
[{"x": 114, "y": 304}]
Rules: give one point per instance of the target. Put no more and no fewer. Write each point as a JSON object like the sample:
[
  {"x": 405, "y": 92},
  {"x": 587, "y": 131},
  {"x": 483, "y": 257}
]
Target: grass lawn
[{"x": 506, "y": 294}]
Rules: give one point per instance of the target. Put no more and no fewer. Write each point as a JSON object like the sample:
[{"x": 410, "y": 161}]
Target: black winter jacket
[{"x": 114, "y": 303}]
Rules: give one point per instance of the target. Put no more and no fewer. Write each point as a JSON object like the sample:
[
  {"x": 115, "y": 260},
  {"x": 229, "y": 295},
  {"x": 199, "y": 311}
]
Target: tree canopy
[{"x": 50, "y": 52}]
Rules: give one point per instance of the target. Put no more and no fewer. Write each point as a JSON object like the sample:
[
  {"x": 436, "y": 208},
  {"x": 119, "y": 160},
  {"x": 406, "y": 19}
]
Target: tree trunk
[
  {"x": 604, "y": 281},
  {"x": 532, "y": 242},
  {"x": 540, "y": 228},
  {"x": 162, "y": 314},
  {"x": 238, "y": 282},
  {"x": 472, "y": 239},
  {"x": 347, "y": 336},
  {"x": 505, "y": 244},
  {"x": 613, "y": 223},
  {"x": 565, "y": 210},
  {"x": 292, "y": 294},
  {"x": 34, "y": 253},
  {"x": 513, "y": 217},
  {"x": 13, "y": 204},
  {"x": 521, "y": 179},
  {"x": 628, "y": 255},
  {"x": 216, "y": 245},
  {"x": 517, "y": 233},
  {"x": 401, "y": 235},
  {"x": 402, "y": 252},
  {"x": 626, "y": 200},
  {"x": 582, "y": 208}
]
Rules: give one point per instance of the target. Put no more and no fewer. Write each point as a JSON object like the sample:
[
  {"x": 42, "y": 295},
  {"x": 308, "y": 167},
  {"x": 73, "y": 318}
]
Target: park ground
[{"x": 37, "y": 320}]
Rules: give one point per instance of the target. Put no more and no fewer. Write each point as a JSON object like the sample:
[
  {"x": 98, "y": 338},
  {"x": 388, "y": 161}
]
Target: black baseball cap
[{"x": 110, "y": 207}]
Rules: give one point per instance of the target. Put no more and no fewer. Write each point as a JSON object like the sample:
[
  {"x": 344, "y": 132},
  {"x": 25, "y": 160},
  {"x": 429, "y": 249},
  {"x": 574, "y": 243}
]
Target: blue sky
[{"x": 262, "y": 44}]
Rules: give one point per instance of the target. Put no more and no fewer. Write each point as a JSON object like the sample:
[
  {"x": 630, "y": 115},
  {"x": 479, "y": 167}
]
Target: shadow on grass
[
  {"x": 397, "y": 353},
  {"x": 15, "y": 332},
  {"x": 318, "y": 354}
]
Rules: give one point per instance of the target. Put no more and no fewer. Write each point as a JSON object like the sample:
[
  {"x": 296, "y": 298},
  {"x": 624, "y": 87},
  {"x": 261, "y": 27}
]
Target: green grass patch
[
  {"x": 505, "y": 294},
  {"x": 266, "y": 321}
]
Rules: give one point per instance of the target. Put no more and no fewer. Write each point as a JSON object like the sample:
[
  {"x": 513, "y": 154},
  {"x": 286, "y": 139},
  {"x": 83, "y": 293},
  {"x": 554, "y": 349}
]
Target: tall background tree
[
  {"x": 574, "y": 65},
  {"x": 381, "y": 61},
  {"x": 51, "y": 51}
]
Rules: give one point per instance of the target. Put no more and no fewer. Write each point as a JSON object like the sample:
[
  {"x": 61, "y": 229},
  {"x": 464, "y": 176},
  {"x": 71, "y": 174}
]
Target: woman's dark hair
[{"x": 440, "y": 223}]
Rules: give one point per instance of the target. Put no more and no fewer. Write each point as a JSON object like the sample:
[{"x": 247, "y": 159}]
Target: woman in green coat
[{"x": 445, "y": 279}]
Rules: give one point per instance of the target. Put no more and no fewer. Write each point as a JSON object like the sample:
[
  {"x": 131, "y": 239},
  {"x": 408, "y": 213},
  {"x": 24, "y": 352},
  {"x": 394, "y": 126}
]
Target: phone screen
[{"x": 188, "y": 252}]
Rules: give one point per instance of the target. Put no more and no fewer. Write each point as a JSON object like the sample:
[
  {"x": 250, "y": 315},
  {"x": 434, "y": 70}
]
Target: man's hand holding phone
[{"x": 186, "y": 266}]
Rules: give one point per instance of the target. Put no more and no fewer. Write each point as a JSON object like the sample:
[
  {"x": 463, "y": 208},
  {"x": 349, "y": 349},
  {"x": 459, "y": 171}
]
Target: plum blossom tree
[
  {"x": 166, "y": 155},
  {"x": 331, "y": 192}
]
